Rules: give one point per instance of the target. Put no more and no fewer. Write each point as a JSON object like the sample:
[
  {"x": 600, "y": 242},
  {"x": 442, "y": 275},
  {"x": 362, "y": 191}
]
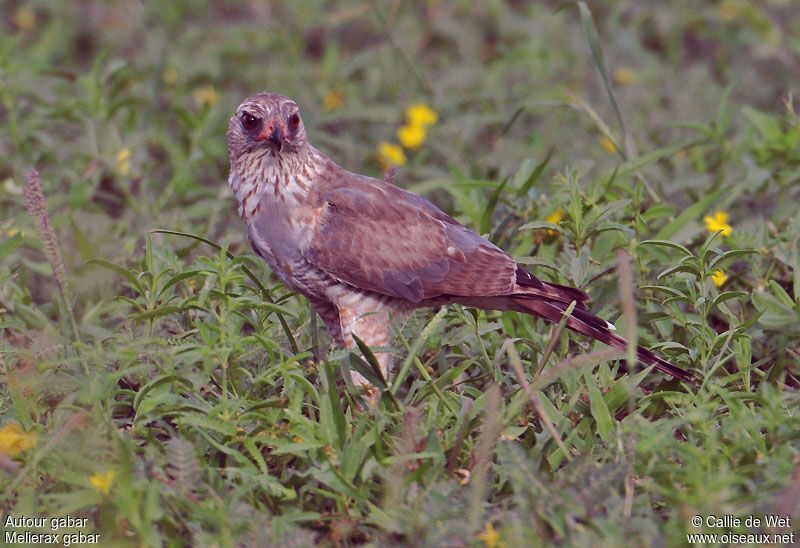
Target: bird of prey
[{"x": 363, "y": 250}]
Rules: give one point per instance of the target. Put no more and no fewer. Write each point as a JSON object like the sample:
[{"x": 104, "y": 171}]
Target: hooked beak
[{"x": 274, "y": 132}]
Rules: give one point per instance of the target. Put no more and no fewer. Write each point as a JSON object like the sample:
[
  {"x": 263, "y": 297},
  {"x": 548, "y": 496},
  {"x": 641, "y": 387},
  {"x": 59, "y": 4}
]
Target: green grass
[{"x": 215, "y": 397}]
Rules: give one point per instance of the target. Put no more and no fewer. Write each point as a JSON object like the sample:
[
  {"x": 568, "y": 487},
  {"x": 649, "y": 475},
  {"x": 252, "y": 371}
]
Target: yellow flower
[
  {"x": 421, "y": 115},
  {"x": 718, "y": 222},
  {"x": 608, "y": 144},
  {"x": 490, "y": 536},
  {"x": 625, "y": 75},
  {"x": 102, "y": 482},
  {"x": 12, "y": 232},
  {"x": 555, "y": 218},
  {"x": 170, "y": 76},
  {"x": 332, "y": 101},
  {"x": 13, "y": 440},
  {"x": 298, "y": 439},
  {"x": 24, "y": 18},
  {"x": 124, "y": 161},
  {"x": 411, "y": 136},
  {"x": 719, "y": 277},
  {"x": 729, "y": 10},
  {"x": 205, "y": 96},
  {"x": 391, "y": 154}
]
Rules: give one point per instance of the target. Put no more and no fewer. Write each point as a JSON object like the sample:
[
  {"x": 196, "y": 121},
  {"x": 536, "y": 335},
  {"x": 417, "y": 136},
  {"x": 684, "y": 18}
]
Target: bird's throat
[{"x": 264, "y": 180}]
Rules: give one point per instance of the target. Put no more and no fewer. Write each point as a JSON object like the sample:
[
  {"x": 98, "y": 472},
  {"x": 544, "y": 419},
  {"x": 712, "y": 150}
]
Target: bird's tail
[{"x": 551, "y": 305}]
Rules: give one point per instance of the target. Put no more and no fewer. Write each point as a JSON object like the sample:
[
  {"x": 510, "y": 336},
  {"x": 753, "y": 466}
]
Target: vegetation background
[{"x": 175, "y": 394}]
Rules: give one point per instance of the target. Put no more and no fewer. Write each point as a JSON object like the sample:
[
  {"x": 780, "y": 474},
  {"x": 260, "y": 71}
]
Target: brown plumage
[{"x": 362, "y": 249}]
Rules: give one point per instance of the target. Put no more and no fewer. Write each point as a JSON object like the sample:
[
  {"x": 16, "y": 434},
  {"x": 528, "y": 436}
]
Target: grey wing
[{"x": 376, "y": 236}]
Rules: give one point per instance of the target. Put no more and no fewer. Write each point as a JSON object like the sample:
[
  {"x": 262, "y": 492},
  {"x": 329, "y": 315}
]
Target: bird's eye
[
  {"x": 294, "y": 119},
  {"x": 249, "y": 121}
]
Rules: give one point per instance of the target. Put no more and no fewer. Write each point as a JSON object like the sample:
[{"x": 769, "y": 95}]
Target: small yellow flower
[
  {"x": 718, "y": 222},
  {"x": 170, "y": 76},
  {"x": 124, "y": 161},
  {"x": 24, "y": 18},
  {"x": 421, "y": 115},
  {"x": 490, "y": 536},
  {"x": 391, "y": 154},
  {"x": 298, "y": 439},
  {"x": 719, "y": 277},
  {"x": 102, "y": 482},
  {"x": 332, "y": 101},
  {"x": 411, "y": 136},
  {"x": 729, "y": 10},
  {"x": 555, "y": 218},
  {"x": 625, "y": 76},
  {"x": 12, "y": 232},
  {"x": 608, "y": 144},
  {"x": 205, "y": 96},
  {"x": 13, "y": 440}
]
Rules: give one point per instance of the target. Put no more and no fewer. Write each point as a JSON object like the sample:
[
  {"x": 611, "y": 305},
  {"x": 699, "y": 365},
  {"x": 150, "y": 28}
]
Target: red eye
[
  {"x": 249, "y": 121},
  {"x": 294, "y": 119}
]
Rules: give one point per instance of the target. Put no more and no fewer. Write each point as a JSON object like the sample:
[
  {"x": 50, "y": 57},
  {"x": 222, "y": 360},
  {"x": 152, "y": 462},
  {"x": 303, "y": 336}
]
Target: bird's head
[{"x": 267, "y": 124}]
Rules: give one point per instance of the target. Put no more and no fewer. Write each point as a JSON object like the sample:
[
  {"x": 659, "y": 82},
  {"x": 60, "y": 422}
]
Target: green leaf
[
  {"x": 744, "y": 357},
  {"x": 177, "y": 278},
  {"x": 336, "y": 406},
  {"x": 781, "y": 294},
  {"x": 727, "y": 295},
  {"x": 488, "y": 211},
  {"x": 205, "y": 423},
  {"x": 774, "y": 312},
  {"x": 432, "y": 326},
  {"x": 126, "y": 273},
  {"x": 159, "y": 312},
  {"x": 541, "y": 225},
  {"x": 688, "y": 268},
  {"x": 365, "y": 369},
  {"x": 535, "y": 175},
  {"x": 667, "y": 243},
  {"x": 371, "y": 360},
  {"x": 767, "y": 126},
  {"x": 656, "y": 211},
  {"x": 617, "y": 395},
  {"x": 255, "y": 454},
  {"x": 158, "y": 381},
  {"x": 721, "y": 261},
  {"x": 598, "y": 215},
  {"x": 663, "y": 289},
  {"x": 600, "y": 412}
]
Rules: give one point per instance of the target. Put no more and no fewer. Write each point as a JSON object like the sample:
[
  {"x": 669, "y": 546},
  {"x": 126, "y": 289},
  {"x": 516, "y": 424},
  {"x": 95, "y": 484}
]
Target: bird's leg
[
  {"x": 372, "y": 327},
  {"x": 345, "y": 320}
]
